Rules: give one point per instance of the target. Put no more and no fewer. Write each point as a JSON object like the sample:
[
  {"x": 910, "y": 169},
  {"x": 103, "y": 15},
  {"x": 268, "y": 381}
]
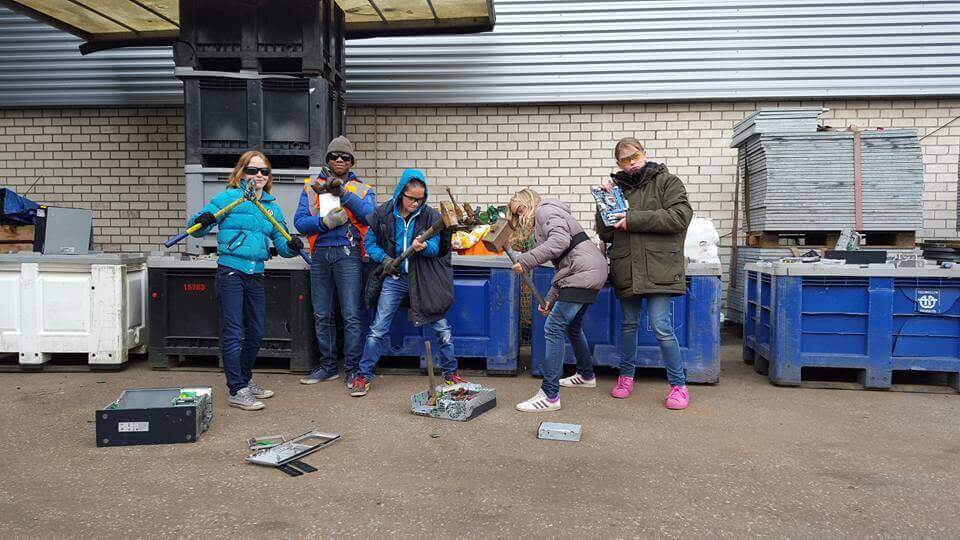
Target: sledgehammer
[{"x": 498, "y": 239}]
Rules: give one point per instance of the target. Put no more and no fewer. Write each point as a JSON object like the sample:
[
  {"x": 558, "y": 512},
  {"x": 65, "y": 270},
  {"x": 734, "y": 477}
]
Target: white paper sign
[
  {"x": 327, "y": 203},
  {"x": 130, "y": 427}
]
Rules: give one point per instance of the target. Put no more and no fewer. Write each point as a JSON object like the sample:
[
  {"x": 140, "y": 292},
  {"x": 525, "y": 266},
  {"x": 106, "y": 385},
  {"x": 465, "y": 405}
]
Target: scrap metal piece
[
  {"x": 294, "y": 449},
  {"x": 559, "y": 432},
  {"x": 262, "y": 442},
  {"x": 460, "y": 402}
]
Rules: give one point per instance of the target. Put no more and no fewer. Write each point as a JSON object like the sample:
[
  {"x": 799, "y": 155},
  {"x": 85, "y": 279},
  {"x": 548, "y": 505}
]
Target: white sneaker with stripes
[
  {"x": 577, "y": 381},
  {"x": 539, "y": 403}
]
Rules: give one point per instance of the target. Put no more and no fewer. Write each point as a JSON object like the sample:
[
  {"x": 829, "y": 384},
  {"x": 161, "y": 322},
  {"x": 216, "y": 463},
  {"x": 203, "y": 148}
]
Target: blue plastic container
[
  {"x": 485, "y": 316},
  {"x": 696, "y": 321},
  {"x": 757, "y": 314},
  {"x": 877, "y": 319}
]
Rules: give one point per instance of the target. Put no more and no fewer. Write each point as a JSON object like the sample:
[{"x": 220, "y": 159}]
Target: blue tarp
[{"x": 17, "y": 209}]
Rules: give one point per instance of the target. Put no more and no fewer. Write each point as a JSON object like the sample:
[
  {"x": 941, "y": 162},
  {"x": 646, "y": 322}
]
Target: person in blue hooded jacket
[
  {"x": 425, "y": 279},
  {"x": 242, "y": 248}
]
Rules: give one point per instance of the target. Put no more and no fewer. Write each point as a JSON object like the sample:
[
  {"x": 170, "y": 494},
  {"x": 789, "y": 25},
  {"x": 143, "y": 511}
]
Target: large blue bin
[
  {"x": 877, "y": 319},
  {"x": 485, "y": 316},
  {"x": 696, "y": 321}
]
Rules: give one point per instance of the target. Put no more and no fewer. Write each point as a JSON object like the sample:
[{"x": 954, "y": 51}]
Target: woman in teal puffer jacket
[{"x": 243, "y": 242}]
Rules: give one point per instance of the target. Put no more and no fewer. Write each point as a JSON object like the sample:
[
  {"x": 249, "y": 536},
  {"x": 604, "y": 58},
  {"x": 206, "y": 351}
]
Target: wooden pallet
[
  {"x": 828, "y": 239},
  {"x": 14, "y": 238}
]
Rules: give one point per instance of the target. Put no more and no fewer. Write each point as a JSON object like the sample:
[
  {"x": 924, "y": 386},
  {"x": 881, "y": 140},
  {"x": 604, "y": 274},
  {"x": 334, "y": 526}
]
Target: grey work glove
[
  {"x": 336, "y": 217},
  {"x": 335, "y": 187}
]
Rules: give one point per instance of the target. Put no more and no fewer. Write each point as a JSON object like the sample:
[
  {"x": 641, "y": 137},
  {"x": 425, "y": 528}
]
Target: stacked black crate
[
  {"x": 265, "y": 75},
  {"x": 262, "y": 75}
]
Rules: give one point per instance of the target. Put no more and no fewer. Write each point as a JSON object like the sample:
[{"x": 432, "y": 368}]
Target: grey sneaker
[
  {"x": 258, "y": 391},
  {"x": 245, "y": 400},
  {"x": 319, "y": 375}
]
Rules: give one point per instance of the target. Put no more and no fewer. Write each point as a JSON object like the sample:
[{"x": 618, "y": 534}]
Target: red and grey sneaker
[
  {"x": 454, "y": 378},
  {"x": 360, "y": 386}
]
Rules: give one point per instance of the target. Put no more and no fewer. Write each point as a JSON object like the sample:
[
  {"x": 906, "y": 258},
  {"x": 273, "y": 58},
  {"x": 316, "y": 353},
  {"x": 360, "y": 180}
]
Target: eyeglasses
[
  {"x": 344, "y": 156},
  {"x": 265, "y": 171},
  {"x": 418, "y": 200},
  {"x": 636, "y": 156}
]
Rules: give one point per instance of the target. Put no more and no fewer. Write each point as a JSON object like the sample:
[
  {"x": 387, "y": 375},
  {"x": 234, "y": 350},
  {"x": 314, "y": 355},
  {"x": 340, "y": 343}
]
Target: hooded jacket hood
[{"x": 405, "y": 178}]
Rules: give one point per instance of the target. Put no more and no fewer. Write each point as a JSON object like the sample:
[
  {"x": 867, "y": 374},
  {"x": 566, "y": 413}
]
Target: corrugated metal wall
[
  {"x": 563, "y": 50},
  {"x": 41, "y": 66},
  {"x": 574, "y": 51}
]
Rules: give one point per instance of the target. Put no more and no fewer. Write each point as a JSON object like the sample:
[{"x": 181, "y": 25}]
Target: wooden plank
[
  {"x": 14, "y": 248},
  {"x": 828, "y": 239},
  {"x": 16, "y": 233}
]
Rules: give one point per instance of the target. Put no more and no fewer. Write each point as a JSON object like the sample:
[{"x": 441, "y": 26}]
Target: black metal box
[
  {"x": 155, "y": 416},
  {"x": 185, "y": 317}
]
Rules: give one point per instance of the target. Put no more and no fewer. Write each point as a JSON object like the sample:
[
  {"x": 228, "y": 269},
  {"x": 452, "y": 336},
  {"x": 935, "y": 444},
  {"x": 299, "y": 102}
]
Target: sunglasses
[
  {"x": 418, "y": 200},
  {"x": 334, "y": 156},
  {"x": 265, "y": 171},
  {"x": 631, "y": 158}
]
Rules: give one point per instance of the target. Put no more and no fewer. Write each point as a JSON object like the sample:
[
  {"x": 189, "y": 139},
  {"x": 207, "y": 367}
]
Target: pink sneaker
[
  {"x": 678, "y": 398},
  {"x": 623, "y": 388}
]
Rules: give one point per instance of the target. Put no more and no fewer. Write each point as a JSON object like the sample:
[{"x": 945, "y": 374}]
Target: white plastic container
[{"x": 93, "y": 304}]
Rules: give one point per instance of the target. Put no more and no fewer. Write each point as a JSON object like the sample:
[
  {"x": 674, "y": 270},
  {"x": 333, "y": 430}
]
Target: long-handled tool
[
  {"x": 197, "y": 226},
  {"x": 276, "y": 225},
  {"x": 371, "y": 293},
  {"x": 498, "y": 239},
  {"x": 448, "y": 219},
  {"x": 248, "y": 195},
  {"x": 432, "y": 391}
]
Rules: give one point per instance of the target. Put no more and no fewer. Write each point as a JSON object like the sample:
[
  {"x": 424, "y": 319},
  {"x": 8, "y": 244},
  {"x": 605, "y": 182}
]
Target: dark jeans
[
  {"x": 336, "y": 277},
  {"x": 394, "y": 292},
  {"x": 242, "y": 310},
  {"x": 658, "y": 310},
  {"x": 565, "y": 319}
]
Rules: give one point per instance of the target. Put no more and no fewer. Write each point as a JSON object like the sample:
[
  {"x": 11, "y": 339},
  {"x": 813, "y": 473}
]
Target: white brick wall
[
  {"x": 127, "y": 163},
  {"x": 486, "y": 153}
]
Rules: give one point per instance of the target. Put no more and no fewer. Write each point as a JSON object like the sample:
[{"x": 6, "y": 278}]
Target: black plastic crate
[
  {"x": 185, "y": 319},
  {"x": 337, "y": 55},
  {"x": 269, "y": 36},
  {"x": 337, "y": 111},
  {"x": 282, "y": 117}
]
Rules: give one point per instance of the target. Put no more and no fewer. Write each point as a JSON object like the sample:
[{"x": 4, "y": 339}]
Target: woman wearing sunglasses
[
  {"x": 243, "y": 238},
  {"x": 646, "y": 261}
]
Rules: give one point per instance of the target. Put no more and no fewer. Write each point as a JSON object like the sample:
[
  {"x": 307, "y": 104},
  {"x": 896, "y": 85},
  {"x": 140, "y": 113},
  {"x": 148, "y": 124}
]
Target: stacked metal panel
[
  {"x": 779, "y": 120},
  {"x": 805, "y": 181}
]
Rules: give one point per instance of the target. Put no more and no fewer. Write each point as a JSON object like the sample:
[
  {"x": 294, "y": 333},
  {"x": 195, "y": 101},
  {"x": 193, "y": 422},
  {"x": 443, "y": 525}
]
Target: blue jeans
[
  {"x": 394, "y": 292},
  {"x": 336, "y": 276},
  {"x": 564, "y": 320},
  {"x": 242, "y": 310},
  {"x": 658, "y": 309}
]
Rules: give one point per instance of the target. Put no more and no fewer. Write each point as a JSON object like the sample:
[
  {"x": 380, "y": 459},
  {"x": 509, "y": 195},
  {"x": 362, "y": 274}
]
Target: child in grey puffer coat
[{"x": 581, "y": 271}]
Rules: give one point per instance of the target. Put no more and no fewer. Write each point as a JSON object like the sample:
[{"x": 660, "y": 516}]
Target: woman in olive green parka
[{"x": 647, "y": 262}]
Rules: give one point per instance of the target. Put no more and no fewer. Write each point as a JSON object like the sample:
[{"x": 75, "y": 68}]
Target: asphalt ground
[{"x": 746, "y": 459}]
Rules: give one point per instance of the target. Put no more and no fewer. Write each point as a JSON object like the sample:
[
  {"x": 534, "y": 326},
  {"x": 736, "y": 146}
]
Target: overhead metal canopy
[{"x": 105, "y": 24}]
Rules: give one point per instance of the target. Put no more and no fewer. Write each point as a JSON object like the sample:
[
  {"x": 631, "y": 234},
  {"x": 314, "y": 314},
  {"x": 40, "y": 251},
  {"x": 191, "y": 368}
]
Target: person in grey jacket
[{"x": 581, "y": 271}]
